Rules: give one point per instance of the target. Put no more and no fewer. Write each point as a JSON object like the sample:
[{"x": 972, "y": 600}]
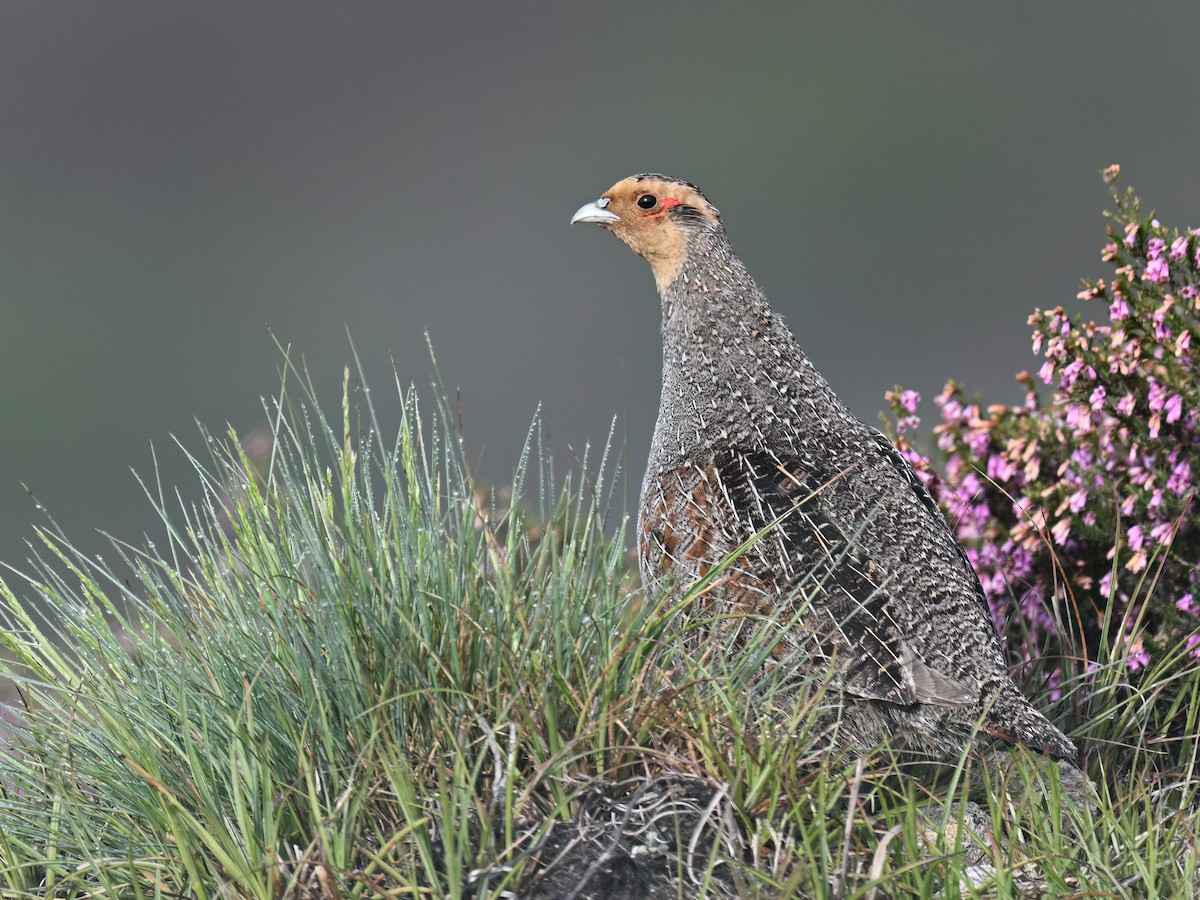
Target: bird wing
[
  {"x": 909, "y": 476},
  {"x": 803, "y": 550}
]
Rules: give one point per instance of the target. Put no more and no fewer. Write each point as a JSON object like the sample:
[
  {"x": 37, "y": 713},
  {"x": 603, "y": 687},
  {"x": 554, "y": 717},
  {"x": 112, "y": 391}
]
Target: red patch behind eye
[{"x": 666, "y": 203}]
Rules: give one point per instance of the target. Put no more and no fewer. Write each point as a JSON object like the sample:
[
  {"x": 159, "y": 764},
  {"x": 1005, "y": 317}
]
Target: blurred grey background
[{"x": 907, "y": 181}]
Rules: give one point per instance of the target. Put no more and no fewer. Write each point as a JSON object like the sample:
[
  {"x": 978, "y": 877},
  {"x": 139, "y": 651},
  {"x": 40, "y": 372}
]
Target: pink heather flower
[
  {"x": 999, "y": 469},
  {"x": 1162, "y": 332},
  {"x": 994, "y": 585},
  {"x": 1032, "y": 468},
  {"x": 1178, "y": 247},
  {"x": 1037, "y": 517},
  {"x": 1128, "y": 504},
  {"x": 970, "y": 488},
  {"x": 1054, "y": 685},
  {"x": 1158, "y": 395},
  {"x": 1181, "y": 479},
  {"x": 1140, "y": 469},
  {"x": 1156, "y": 271},
  {"x": 1137, "y": 563},
  {"x": 1187, "y": 604},
  {"x": 1137, "y": 660},
  {"x": 1131, "y": 231},
  {"x": 1079, "y": 417},
  {"x": 909, "y": 400},
  {"x": 1046, "y": 372},
  {"x": 1125, "y": 404},
  {"x": 1161, "y": 533},
  {"x": 1135, "y": 538},
  {"x": 1193, "y": 645},
  {"x": 1189, "y": 292},
  {"x": 1061, "y": 531},
  {"x": 1098, "y": 396},
  {"x": 978, "y": 440},
  {"x": 1106, "y": 585},
  {"x": 1174, "y": 408},
  {"x": 1073, "y": 371},
  {"x": 1182, "y": 343},
  {"x": 1109, "y": 251},
  {"x": 1118, "y": 309},
  {"x": 1155, "y": 247},
  {"x": 1037, "y": 343},
  {"x": 951, "y": 407},
  {"x": 1033, "y": 604},
  {"x": 1020, "y": 559},
  {"x": 1077, "y": 501}
]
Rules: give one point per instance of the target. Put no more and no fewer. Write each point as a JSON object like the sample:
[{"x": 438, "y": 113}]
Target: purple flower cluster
[{"x": 1082, "y": 505}]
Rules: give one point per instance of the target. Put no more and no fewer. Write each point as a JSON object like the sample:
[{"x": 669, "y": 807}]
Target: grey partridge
[{"x": 753, "y": 450}]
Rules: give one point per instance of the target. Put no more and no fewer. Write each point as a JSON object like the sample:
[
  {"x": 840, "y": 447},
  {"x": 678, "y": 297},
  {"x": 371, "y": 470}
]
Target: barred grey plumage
[{"x": 749, "y": 435}]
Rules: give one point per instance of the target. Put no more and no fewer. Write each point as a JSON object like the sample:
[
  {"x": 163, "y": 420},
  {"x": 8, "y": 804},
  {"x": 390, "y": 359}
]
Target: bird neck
[
  {"x": 732, "y": 372},
  {"x": 713, "y": 305}
]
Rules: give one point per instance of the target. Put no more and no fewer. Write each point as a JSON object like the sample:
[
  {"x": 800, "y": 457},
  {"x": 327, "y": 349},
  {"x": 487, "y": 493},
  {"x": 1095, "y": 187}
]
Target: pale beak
[{"x": 595, "y": 213}]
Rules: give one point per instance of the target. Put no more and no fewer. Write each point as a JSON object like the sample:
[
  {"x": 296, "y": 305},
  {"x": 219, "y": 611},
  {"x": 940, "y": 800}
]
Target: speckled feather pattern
[{"x": 751, "y": 437}]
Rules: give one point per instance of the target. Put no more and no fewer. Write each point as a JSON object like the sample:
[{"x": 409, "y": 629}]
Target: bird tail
[{"x": 1012, "y": 718}]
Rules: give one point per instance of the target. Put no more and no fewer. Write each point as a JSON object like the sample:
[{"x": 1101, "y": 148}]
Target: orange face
[{"x": 653, "y": 215}]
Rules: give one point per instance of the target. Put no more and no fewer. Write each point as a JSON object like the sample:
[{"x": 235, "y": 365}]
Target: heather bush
[{"x": 1078, "y": 506}]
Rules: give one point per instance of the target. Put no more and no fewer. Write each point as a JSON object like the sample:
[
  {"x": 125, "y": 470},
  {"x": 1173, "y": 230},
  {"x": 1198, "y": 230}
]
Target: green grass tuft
[{"x": 352, "y": 671}]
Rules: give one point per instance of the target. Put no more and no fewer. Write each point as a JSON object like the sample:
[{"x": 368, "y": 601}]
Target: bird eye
[{"x": 647, "y": 201}]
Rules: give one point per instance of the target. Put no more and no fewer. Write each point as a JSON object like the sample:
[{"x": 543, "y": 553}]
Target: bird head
[{"x": 657, "y": 216}]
